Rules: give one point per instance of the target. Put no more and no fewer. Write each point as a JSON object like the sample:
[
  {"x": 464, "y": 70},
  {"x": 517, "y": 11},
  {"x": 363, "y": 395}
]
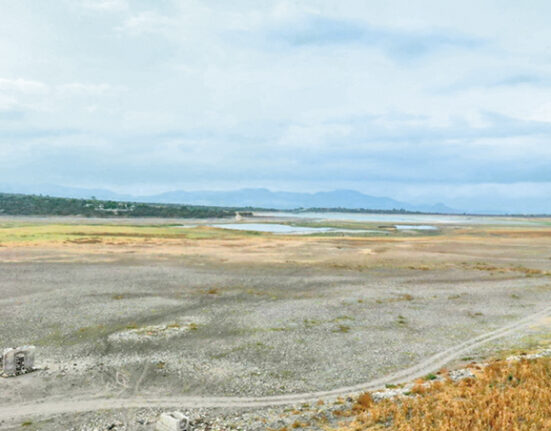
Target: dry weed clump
[{"x": 511, "y": 396}]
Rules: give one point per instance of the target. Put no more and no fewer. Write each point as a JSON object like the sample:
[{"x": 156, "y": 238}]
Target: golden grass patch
[{"x": 513, "y": 396}]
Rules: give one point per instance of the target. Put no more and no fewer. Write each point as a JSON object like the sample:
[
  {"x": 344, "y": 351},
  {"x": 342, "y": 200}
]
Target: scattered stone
[
  {"x": 540, "y": 354},
  {"x": 463, "y": 373},
  {"x": 389, "y": 393},
  {"x": 152, "y": 332}
]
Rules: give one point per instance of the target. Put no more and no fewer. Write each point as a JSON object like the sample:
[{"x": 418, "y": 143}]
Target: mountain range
[{"x": 251, "y": 197}]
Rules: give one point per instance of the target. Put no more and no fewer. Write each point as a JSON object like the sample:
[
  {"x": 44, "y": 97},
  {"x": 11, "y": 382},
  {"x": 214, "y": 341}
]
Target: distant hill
[
  {"x": 252, "y": 197},
  {"x": 291, "y": 200}
]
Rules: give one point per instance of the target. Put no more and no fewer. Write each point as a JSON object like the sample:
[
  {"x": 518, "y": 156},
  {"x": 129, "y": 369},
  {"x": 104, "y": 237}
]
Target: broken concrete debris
[
  {"x": 173, "y": 421},
  {"x": 17, "y": 360}
]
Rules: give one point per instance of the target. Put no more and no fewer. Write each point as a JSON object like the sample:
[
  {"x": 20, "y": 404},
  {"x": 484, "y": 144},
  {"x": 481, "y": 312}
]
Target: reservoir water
[
  {"x": 405, "y": 219},
  {"x": 283, "y": 228},
  {"x": 401, "y": 222}
]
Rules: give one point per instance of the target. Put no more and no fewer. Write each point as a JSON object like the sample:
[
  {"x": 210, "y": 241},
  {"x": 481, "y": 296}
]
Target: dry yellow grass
[
  {"x": 470, "y": 248},
  {"x": 505, "y": 396}
]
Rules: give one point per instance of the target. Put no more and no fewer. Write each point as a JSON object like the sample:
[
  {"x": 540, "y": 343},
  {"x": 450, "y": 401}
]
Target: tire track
[{"x": 432, "y": 363}]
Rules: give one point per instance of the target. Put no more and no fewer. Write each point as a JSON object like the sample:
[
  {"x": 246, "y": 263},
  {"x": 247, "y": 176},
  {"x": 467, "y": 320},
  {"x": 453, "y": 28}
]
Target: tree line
[{"x": 37, "y": 205}]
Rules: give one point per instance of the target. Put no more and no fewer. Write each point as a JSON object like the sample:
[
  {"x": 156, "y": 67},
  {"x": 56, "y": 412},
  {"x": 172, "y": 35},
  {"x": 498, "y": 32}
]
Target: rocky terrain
[{"x": 159, "y": 311}]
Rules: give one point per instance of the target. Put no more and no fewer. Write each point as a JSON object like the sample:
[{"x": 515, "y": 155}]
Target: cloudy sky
[{"x": 421, "y": 101}]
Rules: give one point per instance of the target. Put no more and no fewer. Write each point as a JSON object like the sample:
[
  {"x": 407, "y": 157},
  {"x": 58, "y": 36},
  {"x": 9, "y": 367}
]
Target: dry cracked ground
[{"x": 125, "y": 308}]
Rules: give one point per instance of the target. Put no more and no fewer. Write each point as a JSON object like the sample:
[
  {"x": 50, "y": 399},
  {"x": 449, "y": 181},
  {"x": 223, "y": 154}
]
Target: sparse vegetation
[
  {"x": 483, "y": 266},
  {"x": 402, "y": 320},
  {"x": 221, "y": 312},
  {"x": 342, "y": 328},
  {"x": 503, "y": 396}
]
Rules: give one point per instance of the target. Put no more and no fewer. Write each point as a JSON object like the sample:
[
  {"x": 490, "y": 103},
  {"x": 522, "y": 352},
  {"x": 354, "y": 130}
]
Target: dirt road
[{"x": 53, "y": 407}]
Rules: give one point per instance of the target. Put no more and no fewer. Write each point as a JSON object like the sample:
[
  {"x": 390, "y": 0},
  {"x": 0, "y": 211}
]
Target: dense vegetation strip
[{"x": 33, "y": 205}]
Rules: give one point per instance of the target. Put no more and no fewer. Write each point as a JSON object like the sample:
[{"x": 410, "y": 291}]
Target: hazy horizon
[
  {"x": 415, "y": 102},
  {"x": 230, "y": 197}
]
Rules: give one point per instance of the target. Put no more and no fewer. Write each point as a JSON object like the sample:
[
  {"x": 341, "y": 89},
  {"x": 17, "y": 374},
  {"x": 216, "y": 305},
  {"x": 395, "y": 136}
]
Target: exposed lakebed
[{"x": 285, "y": 223}]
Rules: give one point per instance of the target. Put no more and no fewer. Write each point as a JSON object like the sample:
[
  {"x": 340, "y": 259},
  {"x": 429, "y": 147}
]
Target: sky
[{"x": 424, "y": 101}]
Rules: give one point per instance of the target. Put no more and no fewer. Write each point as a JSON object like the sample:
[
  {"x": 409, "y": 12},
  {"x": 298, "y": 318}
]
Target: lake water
[
  {"x": 270, "y": 227},
  {"x": 283, "y": 228},
  {"x": 406, "y": 219},
  {"x": 419, "y": 222},
  {"x": 415, "y": 226},
  {"x": 300, "y": 230}
]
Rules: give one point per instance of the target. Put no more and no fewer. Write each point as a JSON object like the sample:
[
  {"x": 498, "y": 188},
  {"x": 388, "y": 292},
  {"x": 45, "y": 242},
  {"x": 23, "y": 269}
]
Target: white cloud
[
  {"x": 148, "y": 22},
  {"x": 333, "y": 89},
  {"x": 105, "y": 5},
  {"x": 20, "y": 85},
  {"x": 79, "y": 88},
  {"x": 541, "y": 112}
]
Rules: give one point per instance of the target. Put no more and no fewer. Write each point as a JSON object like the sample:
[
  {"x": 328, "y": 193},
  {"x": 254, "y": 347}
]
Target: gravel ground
[
  {"x": 306, "y": 416},
  {"x": 190, "y": 325},
  {"x": 231, "y": 331},
  {"x": 299, "y": 416}
]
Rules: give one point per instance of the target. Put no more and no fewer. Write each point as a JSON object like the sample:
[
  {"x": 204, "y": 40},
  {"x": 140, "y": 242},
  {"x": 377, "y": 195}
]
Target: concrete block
[
  {"x": 8, "y": 362},
  {"x": 173, "y": 421},
  {"x": 18, "y": 360}
]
